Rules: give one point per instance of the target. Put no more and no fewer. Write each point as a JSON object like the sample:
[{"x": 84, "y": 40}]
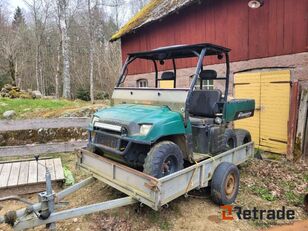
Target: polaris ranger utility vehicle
[{"x": 160, "y": 130}]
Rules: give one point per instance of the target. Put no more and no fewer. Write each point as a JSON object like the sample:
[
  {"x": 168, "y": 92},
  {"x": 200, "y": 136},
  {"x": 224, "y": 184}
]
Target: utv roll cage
[{"x": 181, "y": 52}]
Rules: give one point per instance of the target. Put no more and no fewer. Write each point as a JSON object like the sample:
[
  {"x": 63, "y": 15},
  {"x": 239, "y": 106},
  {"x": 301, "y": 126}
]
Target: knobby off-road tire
[
  {"x": 225, "y": 184},
  {"x": 163, "y": 159},
  {"x": 242, "y": 136}
]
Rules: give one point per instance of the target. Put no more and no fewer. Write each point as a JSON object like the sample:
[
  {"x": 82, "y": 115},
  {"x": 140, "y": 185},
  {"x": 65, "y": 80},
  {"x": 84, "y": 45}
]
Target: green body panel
[
  {"x": 164, "y": 121},
  {"x": 238, "y": 109}
]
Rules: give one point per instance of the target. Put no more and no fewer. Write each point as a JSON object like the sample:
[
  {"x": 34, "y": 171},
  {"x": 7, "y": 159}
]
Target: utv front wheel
[{"x": 163, "y": 159}]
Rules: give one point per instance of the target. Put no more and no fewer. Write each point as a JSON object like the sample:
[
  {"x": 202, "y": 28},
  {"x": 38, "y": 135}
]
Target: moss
[{"x": 141, "y": 16}]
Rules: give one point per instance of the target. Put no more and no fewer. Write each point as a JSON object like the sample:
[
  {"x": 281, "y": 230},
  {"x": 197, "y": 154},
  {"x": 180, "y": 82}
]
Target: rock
[
  {"x": 8, "y": 87},
  {"x": 9, "y": 114},
  {"x": 36, "y": 94}
]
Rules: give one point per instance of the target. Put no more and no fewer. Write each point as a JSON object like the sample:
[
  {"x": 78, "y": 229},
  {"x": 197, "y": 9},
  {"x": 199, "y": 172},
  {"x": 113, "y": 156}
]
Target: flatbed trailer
[{"x": 139, "y": 187}]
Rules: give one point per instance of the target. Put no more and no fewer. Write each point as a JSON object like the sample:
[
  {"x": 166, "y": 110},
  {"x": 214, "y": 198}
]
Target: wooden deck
[{"x": 23, "y": 177}]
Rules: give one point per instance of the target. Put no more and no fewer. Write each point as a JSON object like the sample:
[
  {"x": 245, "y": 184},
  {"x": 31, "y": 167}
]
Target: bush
[
  {"x": 83, "y": 94},
  {"x": 4, "y": 79},
  {"x": 102, "y": 95}
]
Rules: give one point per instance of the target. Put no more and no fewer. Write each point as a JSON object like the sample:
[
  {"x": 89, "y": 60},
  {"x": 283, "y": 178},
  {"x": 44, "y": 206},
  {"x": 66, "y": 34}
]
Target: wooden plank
[
  {"x": 238, "y": 23},
  {"x": 275, "y": 101},
  {"x": 58, "y": 169},
  {"x": 41, "y": 170},
  {"x": 293, "y": 114},
  {"x": 305, "y": 153},
  {"x": 32, "y": 176},
  {"x": 26, "y": 150},
  {"x": 251, "y": 91},
  {"x": 15, "y": 125},
  {"x": 13, "y": 179},
  {"x": 24, "y": 173},
  {"x": 5, "y": 174},
  {"x": 51, "y": 168},
  {"x": 302, "y": 115}
]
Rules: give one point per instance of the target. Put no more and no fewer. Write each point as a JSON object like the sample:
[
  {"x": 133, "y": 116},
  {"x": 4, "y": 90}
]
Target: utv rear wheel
[
  {"x": 230, "y": 141},
  {"x": 243, "y": 136},
  {"x": 163, "y": 159}
]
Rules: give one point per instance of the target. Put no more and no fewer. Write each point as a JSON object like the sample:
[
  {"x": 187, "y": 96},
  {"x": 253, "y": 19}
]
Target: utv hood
[{"x": 131, "y": 116}]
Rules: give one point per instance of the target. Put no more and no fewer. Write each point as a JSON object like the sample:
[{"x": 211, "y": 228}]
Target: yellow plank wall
[
  {"x": 165, "y": 84},
  {"x": 271, "y": 90}
]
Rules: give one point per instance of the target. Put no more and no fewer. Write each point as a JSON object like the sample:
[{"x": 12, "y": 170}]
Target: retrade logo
[
  {"x": 230, "y": 212},
  {"x": 226, "y": 214}
]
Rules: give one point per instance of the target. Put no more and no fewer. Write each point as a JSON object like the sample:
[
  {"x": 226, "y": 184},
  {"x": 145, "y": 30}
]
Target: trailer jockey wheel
[{"x": 225, "y": 184}]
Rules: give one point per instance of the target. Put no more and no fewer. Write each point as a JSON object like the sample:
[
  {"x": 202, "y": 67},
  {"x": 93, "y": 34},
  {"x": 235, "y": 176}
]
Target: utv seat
[{"x": 204, "y": 106}]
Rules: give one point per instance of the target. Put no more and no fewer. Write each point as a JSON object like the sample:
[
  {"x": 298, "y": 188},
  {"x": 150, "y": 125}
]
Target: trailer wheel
[
  {"x": 225, "y": 184},
  {"x": 163, "y": 159},
  {"x": 230, "y": 141},
  {"x": 242, "y": 136}
]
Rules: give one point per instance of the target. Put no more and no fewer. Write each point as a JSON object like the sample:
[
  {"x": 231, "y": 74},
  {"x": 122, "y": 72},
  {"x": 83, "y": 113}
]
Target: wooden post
[{"x": 293, "y": 114}]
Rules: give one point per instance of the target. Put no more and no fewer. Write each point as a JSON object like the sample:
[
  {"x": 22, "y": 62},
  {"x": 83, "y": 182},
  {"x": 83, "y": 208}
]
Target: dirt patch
[{"x": 297, "y": 226}]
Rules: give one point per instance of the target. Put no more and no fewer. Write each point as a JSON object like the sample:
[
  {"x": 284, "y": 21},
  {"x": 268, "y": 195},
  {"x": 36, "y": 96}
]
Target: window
[
  {"x": 142, "y": 83},
  {"x": 208, "y": 85}
]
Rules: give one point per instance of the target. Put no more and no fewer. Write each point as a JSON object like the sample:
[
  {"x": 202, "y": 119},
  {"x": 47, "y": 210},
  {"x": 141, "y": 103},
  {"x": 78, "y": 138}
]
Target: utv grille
[{"x": 106, "y": 140}]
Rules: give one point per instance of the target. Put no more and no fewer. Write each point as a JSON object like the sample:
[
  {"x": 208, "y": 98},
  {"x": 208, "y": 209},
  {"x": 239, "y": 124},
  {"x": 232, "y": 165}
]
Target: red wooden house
[{"x": 269, "y": 51}]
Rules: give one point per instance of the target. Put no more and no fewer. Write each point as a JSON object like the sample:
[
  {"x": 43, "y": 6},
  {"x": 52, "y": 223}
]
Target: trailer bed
[{"x": 155, "y": 192}]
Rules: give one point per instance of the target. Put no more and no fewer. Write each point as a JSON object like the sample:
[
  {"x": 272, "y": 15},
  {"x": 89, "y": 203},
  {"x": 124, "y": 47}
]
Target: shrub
[
  {"x": 83, "y": 94},
  {"x": 4, "y": 79},
  {"x": 102, "y": 95}
]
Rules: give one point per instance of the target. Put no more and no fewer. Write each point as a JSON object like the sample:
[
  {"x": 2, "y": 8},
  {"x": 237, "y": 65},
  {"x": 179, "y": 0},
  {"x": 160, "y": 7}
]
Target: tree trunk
[
  {"x": 65, "y": 49},
  {"x": 12, "y": 68},
  {"x": 41, "y": 76},
  {"x": 58, "y": 70},
  {"x": 37, "y": 68},
  {"x": 92, "y": 70},
  {"x": 91, "y": 55}
]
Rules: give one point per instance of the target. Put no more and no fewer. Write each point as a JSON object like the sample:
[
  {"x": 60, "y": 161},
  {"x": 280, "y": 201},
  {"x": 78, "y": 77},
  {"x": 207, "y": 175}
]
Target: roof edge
[{"x": 133, "y": 22}]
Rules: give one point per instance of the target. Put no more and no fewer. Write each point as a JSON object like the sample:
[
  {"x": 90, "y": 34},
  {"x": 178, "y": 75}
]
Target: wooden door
[{"x": 271, "y": 91}]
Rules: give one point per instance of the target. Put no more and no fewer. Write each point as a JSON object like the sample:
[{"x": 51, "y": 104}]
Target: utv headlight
[{"x": 144, "y": 129}]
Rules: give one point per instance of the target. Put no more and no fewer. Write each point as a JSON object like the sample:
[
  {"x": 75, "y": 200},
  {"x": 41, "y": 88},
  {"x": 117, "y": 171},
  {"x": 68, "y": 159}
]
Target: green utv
[{"x": 159, "y": 131}]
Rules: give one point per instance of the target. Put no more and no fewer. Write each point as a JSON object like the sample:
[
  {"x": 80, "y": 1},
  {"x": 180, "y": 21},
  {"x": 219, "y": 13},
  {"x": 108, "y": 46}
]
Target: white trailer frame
[{"x": 138, "y": 186}]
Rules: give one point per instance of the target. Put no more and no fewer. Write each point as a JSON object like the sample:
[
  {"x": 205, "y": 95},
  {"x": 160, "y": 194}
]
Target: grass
[
  {"x": 264, "y": 193},
  {"x": 157, "y": 218},
  {"x": 22, "y": 107},
  {"x": 291, "y": 196}
]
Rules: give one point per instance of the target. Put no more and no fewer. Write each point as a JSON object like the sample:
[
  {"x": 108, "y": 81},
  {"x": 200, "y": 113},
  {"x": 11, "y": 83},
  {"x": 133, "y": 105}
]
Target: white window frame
[{"x": 142, "y": 83}]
